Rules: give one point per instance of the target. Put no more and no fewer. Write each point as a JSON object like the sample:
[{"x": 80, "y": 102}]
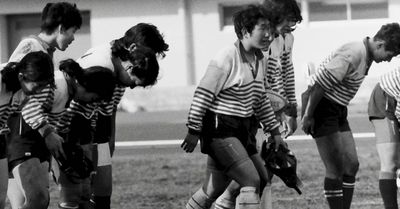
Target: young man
[
  {"x": 333, "y": 86},
  {"x": 29, "y": 156},
  {"x": 279, "y": 76},
  {"x": 228, "y": 105}
]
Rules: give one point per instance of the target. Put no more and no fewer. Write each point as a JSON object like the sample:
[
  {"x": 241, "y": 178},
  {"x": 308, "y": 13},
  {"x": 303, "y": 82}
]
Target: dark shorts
[
  {"x": 381, "y": 105},
  {"x": 103, "y": 129},
  {"x": 80, "y": 130},
  {"x": 330, "y": 117},
  {"x": 219, "y": 127},
  {"x": 24, "y": 143},
  {"x": 3, "y": 146}
]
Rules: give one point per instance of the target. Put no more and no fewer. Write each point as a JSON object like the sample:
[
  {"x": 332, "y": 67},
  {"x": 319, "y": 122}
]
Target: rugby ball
[{"x": 277, "y": 101}]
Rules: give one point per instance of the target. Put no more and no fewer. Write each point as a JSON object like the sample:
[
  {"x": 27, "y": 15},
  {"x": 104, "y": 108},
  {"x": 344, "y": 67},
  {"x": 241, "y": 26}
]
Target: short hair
[
  {"x": 248, "y": 17},
  {"x": 60, "y": 13},
  {"x": 34, "y": 66},
  {"x": 289, "y": 8},
  {"x": 390, "y": 33},
  {"x": 145, "y": 34},
  {"x": 96, "y": 79},
  {"x": 145, "y": 65}
]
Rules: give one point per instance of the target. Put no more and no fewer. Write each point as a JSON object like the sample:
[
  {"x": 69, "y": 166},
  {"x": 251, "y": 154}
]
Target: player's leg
[
  {"x": 3, "y": 171},
  {"x": 102, "y": 180},
  {"x": 215, "y": 183},
  {"x": 230, "y": 153},
  {"x": 33, "y": 179},
  {"x": 15, "y": 194},
  {"x": 350, "y": 168},
  {"x": 387, "y": 144},
  {"x": 329, "y": 148},
  {"x": 227, "y": 199}
]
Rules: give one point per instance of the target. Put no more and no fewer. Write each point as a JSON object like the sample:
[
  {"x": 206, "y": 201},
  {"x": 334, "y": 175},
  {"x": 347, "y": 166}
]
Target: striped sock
[
  {"x": 225, "y": 202},
  {"x": 333, "y": 193},
  {"x": 348, "y": 190},
  {"x": 388, "y": 190},
  {"x": 199, "y": 200}
]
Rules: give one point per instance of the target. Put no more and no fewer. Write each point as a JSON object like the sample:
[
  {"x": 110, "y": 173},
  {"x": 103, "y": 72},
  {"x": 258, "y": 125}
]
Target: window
[{"x": 326, "y": 10}]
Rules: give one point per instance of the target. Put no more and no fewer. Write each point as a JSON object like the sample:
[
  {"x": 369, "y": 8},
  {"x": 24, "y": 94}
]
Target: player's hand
[
  {"x": 278, "y": 141},
  {"x": 190, "y": 142},
  {"x": 54, "y": 144},
  {"x": 308, "y": 124},
  {"x": 290, "y": 125}
]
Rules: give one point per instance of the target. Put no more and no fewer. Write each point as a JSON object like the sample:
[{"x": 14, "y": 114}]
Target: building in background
[{"x": 196, "y": 29}]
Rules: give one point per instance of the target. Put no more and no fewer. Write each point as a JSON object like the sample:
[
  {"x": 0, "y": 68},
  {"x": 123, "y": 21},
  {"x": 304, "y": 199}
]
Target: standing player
[
  {"x": 59, "y": 24},
  {"x": 384, "y": 114},
  {"x": 333, "y": 86},
  {"x": 133, "y": 58},
  {"x": 228, "y": 105},
  {"x": 279, "y": 76}
]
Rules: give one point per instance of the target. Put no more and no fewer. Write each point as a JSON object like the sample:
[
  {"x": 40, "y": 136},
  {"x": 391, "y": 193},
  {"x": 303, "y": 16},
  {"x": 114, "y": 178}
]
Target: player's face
[
  {"x": 31, "y": 87},
  {"x": 65, "y": 37},
  {"x": 132, "y": 80},
  {"x": 286, "y": 26},
  {"x": 381, "y": 54},
  {"x": 262, "y": 34}
]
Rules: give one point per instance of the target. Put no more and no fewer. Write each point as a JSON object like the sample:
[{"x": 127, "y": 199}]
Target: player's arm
[
  {"x": 315, "y": 95},
  {"x": 210, "y": 85}
]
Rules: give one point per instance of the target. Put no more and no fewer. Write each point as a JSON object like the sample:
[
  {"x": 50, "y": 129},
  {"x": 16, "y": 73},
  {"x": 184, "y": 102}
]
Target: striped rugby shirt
[
  {"x": 390, "y": 83},
  {"x": 5, "y": 107},
  {"x": 101, "y": 56},
  {"x": 36, "y": 106},
  {"x": 229, "y": 87},
  {"x": 280, "y": 71},
  {"x": 342, "y": 73}
]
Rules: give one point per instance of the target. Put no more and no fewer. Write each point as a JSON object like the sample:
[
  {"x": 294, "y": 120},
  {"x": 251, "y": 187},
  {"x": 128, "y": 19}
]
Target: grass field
[{"x": 165, "y": 177}]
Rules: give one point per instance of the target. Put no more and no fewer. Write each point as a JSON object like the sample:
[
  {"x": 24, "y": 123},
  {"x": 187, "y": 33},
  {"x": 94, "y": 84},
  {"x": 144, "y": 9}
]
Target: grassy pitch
[{"x": 165, "y": 178}]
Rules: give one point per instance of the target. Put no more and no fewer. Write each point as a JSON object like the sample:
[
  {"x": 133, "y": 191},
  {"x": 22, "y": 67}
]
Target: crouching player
[
  {"x": 228, "y": 105},
  {"x": 135, "y": 65}
]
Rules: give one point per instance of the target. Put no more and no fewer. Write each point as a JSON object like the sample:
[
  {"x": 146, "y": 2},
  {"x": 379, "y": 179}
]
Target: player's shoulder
[
  {"x": 27, "y": 45},
  {"x": 352, "y": 51},
  {"x": 99, "y": 55}
]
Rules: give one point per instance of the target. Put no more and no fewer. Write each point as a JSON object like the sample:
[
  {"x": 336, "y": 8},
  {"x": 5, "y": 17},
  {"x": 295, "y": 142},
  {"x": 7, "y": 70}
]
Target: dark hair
[
  {"x": 142, "y": 34},
  {"x": 96, "y": 79},
  {"x": 247, "y": 18},
  {"x": 60, "y": 13},
  {"x": 390, "y": 33},
  {"x": 34, "y": 67},
  {"x": 145, "y": 65},
  {"x": 289, "y": 9}
]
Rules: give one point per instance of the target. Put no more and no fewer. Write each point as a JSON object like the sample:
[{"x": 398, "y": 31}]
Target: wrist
[
  {"x": 194, "y": 132},
  {"x": 46, "y": 131}
]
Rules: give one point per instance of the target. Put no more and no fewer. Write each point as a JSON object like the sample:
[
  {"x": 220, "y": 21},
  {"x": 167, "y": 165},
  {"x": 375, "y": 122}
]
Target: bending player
[{"x": 333, "y": 86}]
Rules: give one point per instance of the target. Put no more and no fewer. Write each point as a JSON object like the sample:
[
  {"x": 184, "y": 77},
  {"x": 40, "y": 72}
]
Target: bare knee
[{"x": 38, "y": 199}]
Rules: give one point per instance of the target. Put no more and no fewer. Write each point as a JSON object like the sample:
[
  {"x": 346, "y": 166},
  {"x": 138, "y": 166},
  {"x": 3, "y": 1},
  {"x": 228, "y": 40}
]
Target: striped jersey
[
  {"x": 5, "y": 106},
  {"x": 35, "y": 110},
  {"x": 231, "y": 86},
  {"x": 341, "y": 74},
  {"x": 390, "y": 83},
  {"x": 280, "y": 71},
  {"x": 101, "y": 56}
]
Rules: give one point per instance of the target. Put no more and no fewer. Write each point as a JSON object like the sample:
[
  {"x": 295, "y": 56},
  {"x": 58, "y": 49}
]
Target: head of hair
[
  {"x": 60, "y": 13},
  {"x": 247, "y": 18},
  {"x": 96, "y": 79},
  {"x": 34, "y": 67},
  {"x": 390, "y": 34},
  {"x": 142, "y": 34},
  {"x": 289, "y": 9},
  {"x": 145, "y": 65}
]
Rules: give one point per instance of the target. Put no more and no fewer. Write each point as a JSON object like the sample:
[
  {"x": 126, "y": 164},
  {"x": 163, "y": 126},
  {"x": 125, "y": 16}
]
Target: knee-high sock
[
  {"x": 248, "y": 199},
  {"x": 348, "y": 190},
  {"x": 333, "y": 193},
  {"x": 199, "y": 200},
  {"x": 388, "y": 189}
]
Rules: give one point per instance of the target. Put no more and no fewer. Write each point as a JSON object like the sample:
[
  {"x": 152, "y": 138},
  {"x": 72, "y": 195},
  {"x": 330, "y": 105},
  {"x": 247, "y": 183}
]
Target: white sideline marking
[{"x": 179, "y": 141}]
